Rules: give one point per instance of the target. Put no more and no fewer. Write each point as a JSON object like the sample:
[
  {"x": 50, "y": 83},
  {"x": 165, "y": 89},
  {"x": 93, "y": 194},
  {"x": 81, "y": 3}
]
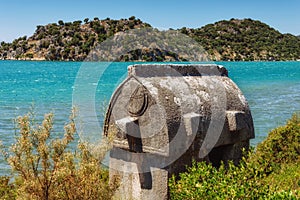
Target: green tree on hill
[{"x": 61, "y": 22}]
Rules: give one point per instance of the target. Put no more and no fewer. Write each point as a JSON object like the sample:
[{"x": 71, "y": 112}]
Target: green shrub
[
  {"x": 270, "y": 172},
  {"x": 7, "y": 189},
  {"x": 279, "y": 156},
  {"x": 45, "y": 168},
  {"x": 203, "y": 181},
  {"x": 29, "y": 55},
  {"x": 282, "y": 144}
]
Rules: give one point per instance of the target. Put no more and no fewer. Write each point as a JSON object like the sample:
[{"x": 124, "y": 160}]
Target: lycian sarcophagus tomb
[{"x": 164, "y": 116}]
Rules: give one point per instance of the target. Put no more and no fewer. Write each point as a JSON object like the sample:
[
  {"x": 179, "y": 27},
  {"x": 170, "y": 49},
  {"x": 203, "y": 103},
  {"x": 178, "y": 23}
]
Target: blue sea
[{"x": 271, "y": 88}]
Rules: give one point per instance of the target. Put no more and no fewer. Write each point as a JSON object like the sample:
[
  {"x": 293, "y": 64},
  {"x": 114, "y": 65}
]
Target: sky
[{"x": 20, "y": 17}]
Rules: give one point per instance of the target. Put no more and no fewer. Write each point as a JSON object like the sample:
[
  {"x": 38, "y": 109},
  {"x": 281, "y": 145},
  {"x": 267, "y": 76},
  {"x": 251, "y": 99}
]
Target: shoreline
[{"x": 250, "y": 61}]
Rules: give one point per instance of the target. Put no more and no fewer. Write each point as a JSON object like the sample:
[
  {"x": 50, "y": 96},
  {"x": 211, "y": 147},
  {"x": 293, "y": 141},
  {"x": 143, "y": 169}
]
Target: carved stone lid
[{"x": 158, "y": 70}]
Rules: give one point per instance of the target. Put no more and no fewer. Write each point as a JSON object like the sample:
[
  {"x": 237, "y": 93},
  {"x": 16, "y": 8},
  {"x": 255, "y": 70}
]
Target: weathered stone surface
[{"x": 168, "y": 115}]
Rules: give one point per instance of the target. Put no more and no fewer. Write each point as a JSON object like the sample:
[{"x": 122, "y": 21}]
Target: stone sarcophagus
[{"x": 164, "y": 116}]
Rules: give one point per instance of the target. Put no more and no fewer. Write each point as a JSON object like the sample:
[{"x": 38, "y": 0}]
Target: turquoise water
[{"x": 271, "y": 88}]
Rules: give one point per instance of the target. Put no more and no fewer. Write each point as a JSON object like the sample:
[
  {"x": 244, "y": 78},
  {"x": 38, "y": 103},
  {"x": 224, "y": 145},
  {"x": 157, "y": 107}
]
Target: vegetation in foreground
[
  {"x": 44, "y": 168},
  {"x": 271, "y": 172}
]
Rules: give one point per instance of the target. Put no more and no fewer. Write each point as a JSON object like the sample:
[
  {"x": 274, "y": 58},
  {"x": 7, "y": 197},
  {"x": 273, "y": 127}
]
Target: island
[{"x": 226, "y": 40}]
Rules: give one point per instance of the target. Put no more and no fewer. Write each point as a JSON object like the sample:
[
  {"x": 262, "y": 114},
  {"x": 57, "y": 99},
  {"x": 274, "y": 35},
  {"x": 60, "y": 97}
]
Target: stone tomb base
[{"x": 131, "y": 181}]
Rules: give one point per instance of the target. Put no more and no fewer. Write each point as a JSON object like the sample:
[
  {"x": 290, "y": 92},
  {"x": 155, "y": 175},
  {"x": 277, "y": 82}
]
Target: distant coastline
[{"x": 231, "y": 40}]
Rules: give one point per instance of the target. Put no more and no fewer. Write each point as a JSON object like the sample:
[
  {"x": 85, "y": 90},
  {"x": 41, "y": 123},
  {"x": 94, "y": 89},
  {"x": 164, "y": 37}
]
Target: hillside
[
  {"x": 245, "y": 39},
  {"x": 66, "y": 41},
  {"x": 224, "y": 40}
]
